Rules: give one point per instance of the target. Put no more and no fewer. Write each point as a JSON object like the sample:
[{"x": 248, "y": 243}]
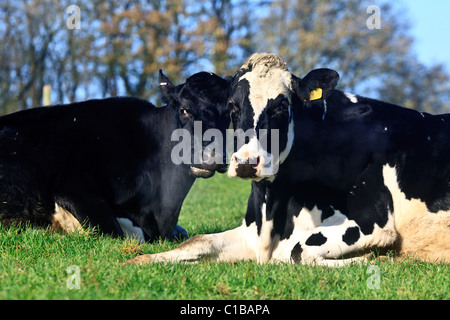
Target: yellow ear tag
[{"x": 315, "y": 94}]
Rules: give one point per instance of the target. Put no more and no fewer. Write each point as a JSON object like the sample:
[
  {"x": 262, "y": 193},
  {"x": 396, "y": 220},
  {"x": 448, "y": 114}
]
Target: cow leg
[
  {"x": 63, "y": 220},
  {"x": 326, "y": 247},
  {"x": 228, "y": 246},
  {"x": 368, "y": 224},
  {"x": 95, "y": 211}
]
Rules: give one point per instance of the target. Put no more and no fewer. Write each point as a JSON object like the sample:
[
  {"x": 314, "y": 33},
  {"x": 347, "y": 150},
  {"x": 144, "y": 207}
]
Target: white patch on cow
[
  {"x": 422, "y": 233},
  {"x": 266, "y": 84},
  {"x": 237, "y": 244},
  {"x": 404, "y": 209},
  {"x": 266, "y": 243},
  {"x": 131, "y": 231},
  {"x": 65, "y": 221},
  {"x": 351, "y": 97},
  {"x": 382, "y": 237},
  {"x": 307, "y": 219},
  {"x": 335, "y": 220}
]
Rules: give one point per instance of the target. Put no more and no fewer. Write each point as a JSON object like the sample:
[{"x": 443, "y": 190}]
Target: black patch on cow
[
  {"x": 351, "y": 235},
  {"x": 423, "y": 174},
  {"x": 316, "y": 239},
  {"x": 240, "y": 107},
  {"x": 369, "y": 200},
  {"x": 255, "y": 200},
  {"x": 296, "y": 253},
  {"x": 326, "y": 213},
  {"x": 275, "y": 116}
]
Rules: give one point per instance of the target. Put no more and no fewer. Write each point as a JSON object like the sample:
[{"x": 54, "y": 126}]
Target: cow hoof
[{"x": 180, "y": 233}]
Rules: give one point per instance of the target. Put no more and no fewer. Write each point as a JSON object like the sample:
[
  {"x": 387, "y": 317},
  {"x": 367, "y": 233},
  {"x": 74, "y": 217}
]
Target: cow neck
[
  {"x": 267, "y": 208},
  {"x": 166, "y": 115}
]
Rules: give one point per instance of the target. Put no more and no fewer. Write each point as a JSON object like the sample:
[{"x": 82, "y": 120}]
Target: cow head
[
  {"x": 200, "y": 106},
  {"x": 264, "y": 101}
]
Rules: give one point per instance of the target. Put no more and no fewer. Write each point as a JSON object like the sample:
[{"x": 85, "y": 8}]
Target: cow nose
[{"x": 246, "y": 167}]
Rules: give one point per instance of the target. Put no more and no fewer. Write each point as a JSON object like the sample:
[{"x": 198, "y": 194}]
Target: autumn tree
[
  {"x": 333, "y": 33},
  {"x": 121, "y": 45},
  {"x": 27, "y": 32},
  {"x": 36, "y": 49},
  {"x": 417, "y": 86},
  {"x": 227, "y": 30}
]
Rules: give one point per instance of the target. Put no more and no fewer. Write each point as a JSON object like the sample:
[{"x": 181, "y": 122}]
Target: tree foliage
[{"x": 121, "y": 45}]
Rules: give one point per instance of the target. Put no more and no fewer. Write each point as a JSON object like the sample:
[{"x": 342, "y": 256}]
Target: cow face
[
  {"x": 200, "y": 106},
  {"x": 263, "y": 101}
]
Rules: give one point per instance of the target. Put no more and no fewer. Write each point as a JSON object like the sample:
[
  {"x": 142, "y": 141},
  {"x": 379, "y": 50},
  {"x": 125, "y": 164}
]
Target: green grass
[{"x": 33, "y": 264}]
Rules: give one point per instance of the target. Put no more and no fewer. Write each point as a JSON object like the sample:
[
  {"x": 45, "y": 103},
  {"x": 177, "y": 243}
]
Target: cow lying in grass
[
  {"x": 108, "y": 162},
  {"x": 351, "y": 174}
]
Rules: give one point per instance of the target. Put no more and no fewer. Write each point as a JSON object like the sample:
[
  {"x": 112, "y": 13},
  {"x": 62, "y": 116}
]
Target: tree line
[{"x": 120, "y": 46}]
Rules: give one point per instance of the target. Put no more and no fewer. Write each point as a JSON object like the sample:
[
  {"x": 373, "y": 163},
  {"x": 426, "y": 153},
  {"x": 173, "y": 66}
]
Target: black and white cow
[
  {"x": 108, "y": 162},
  {"x": 352, "y": 174}
]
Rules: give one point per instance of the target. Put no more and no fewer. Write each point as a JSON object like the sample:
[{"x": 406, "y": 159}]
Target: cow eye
[
  {"x": 280, "y": 109},
  {"x": 234, "y": 110},
  {"x": 185, "y": 113}
]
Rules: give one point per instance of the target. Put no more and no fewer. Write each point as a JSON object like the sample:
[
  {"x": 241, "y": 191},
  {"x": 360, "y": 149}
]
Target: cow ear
[
  {"x": 210, "y": 85},
  {"x": 222, "y": 86},
  {"x": 166, "y": 87},
  {"x": 318, "y": 84}
]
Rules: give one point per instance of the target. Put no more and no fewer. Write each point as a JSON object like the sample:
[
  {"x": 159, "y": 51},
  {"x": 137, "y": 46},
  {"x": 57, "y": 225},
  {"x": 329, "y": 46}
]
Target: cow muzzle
[
  {"x": 251, "y": 161},
  {"x": 209, "y": 165},
  {"x": 246, "y": 167}
]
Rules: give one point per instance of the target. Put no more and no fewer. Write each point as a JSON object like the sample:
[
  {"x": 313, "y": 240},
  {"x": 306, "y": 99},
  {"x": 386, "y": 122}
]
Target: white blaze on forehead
[{"x": 266, "y": 84}]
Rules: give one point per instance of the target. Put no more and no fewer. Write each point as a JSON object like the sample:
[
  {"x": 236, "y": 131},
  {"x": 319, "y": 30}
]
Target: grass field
[{"x": 36, "y": 264}]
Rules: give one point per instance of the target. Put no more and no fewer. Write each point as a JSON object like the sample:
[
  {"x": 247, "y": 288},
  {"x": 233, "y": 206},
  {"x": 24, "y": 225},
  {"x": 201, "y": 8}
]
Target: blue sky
[{"x": 430, "y": 27}]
